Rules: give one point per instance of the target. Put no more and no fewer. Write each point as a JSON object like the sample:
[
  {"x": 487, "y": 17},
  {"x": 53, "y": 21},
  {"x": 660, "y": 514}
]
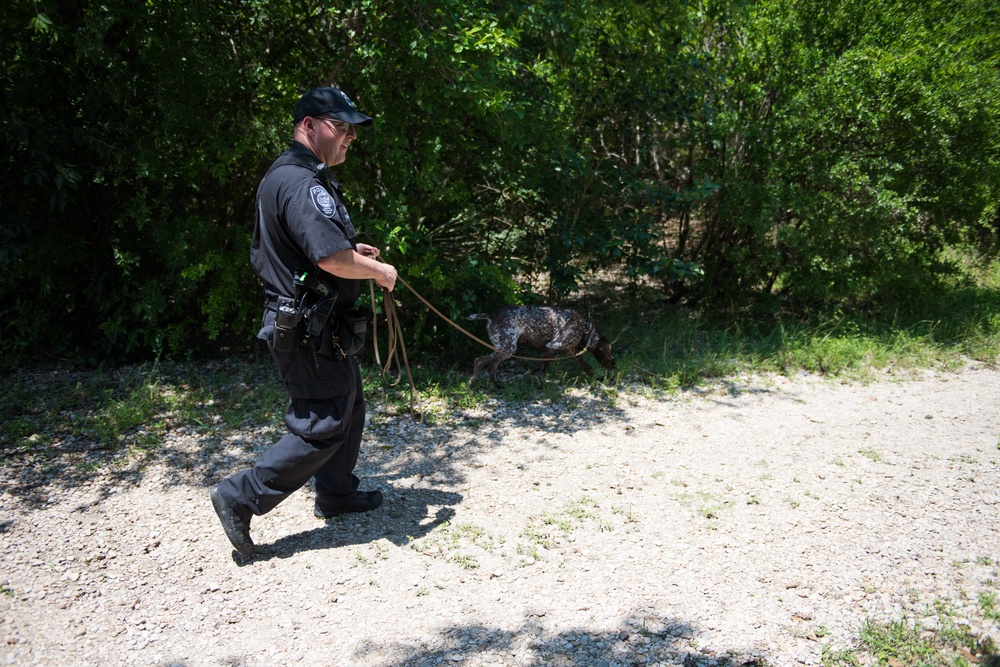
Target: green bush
[
  {"x": 853, "y": 143},
  {"x": 773, "y": 154}
]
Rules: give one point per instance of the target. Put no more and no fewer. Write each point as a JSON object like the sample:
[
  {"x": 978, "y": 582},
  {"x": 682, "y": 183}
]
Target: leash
[
  {"x": 395, "y": 336},
  {"x": 588, "y": 331},
  {"x": 395, "y": 333}
]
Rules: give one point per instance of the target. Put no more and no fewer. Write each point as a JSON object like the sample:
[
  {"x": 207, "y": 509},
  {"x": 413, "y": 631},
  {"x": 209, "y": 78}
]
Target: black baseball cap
[{"x": 329, "y": 101}]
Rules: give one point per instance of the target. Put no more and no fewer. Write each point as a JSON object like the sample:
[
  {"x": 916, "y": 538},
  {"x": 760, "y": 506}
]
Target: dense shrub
[{"x": 775, "y": 152}]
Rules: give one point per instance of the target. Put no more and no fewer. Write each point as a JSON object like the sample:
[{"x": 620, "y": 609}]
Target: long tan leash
[
  {"x": 482, "y": 342},
  {"x": 395, "y": 336}
]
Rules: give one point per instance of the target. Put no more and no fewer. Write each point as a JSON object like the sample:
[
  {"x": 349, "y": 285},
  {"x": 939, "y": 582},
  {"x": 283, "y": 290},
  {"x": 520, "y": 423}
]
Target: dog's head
[{"x": 602, "y": 350}]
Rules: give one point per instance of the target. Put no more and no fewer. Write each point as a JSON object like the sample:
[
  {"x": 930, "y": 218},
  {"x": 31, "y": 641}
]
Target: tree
[
  {"x": 799, "y": 152},
  {"x": 852, "y": 142}
]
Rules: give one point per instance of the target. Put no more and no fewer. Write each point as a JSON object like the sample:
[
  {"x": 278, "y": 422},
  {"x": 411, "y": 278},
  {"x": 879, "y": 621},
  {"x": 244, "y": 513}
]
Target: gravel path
[{"x": 756, "y": 523}]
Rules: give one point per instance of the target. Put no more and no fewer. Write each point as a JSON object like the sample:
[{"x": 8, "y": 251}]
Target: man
[{"x": 305, "y": 253}]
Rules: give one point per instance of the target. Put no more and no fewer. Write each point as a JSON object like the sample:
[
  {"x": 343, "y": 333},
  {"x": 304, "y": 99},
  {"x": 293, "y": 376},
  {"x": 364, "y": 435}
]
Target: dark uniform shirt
[{"x": 299, "y": 221}]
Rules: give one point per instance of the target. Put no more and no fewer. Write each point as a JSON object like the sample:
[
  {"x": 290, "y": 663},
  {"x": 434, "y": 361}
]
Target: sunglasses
[{"x": 341, "y": 125}]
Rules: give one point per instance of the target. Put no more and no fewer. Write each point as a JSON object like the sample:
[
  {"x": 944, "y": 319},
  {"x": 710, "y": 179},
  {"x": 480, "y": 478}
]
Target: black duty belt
[{"x": 271, "y": 303}]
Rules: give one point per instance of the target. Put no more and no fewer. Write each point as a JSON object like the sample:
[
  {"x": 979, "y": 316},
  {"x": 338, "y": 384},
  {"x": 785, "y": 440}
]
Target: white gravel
[{"x": 753, "y": 524}]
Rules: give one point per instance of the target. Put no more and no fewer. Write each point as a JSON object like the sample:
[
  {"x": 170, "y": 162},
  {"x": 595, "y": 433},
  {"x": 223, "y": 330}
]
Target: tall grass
[{"x": 942, "y": 329}]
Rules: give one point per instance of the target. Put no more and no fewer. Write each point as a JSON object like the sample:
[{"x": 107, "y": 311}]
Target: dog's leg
[
  {"x": 490, "y": 362},
  {"x": 548, "y": 355},
  {"x": 578, "y": 358},
  {"x": 504, "y": 338},
  {"x": 494, "y": 366},
  {"x": 478, "y": 365}
]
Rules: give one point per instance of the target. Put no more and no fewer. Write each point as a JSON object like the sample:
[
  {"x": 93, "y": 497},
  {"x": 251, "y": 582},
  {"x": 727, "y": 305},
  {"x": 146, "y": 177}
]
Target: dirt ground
[{"x": 760, "y": 522}]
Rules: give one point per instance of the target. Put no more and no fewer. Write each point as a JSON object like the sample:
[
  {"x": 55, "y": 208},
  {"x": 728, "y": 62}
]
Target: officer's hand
[
  {"x": 368, "y": 250},
  {"x": 387, "y": 278}
]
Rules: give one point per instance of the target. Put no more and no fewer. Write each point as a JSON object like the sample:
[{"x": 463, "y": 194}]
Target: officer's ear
[{"x": 309, "y": 125}]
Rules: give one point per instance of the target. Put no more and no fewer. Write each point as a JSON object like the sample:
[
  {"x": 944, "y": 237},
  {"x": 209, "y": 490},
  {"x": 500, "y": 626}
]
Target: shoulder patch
[{"x": 322, "y": 200}]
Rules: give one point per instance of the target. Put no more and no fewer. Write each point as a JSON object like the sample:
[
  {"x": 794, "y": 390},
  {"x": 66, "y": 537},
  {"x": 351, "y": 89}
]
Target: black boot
[
  {"x": 361, "y": 501},
  {"x": 237, "y": 526}
]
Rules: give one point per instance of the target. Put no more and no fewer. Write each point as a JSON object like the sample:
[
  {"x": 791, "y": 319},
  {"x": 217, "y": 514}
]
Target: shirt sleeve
[{"x": 312, "y": 215}]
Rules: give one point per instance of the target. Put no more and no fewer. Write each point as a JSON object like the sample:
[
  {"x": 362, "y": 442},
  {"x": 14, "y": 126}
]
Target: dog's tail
[{"x": 480, "y": 316}]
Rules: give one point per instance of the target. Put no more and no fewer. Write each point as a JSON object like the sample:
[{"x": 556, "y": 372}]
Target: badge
[{"x": 322, "y": 200}]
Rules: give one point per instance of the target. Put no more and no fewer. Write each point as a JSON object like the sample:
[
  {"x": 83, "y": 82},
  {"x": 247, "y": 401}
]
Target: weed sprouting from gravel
[
  {"x": 456, "y": 543},
  {"x": 464, "y": 561},
  {"x": 627, "y": 512},
  {"x": 988, "y": 603},
  {"x": 708, "y": 505},
  {"x": 869, "y": 453},
  {"x": 838, "y": 657},
  {"x": 550, "y": 528}
]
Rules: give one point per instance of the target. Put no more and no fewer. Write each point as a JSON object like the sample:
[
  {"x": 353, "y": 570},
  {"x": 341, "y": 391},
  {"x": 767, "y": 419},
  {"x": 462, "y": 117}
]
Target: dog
[{"x": 545, "y": 328}]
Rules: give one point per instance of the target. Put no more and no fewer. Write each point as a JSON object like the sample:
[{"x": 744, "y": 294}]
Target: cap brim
[{"x": 354, "y": 117}]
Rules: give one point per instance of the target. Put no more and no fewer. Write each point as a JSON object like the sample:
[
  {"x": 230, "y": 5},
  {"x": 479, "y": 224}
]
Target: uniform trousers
[{"x": 325, "y": 419}]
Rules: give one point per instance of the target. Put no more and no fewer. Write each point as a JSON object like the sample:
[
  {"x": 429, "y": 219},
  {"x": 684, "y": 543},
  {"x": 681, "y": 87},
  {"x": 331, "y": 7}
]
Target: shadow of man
[{"x": 404, "y": 517}]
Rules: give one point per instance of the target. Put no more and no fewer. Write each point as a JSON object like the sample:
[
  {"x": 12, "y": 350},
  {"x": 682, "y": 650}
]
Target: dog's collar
[{"x": 588, "y": 333}]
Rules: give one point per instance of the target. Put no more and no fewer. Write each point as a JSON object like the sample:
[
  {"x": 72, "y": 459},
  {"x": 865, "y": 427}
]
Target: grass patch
[
  {"x": 902, "y": 643},
  {"x": 548, "y": 529},
  {"x": 52, "y": 411},
  {"x": 660, "y": 348},
  {"x": 670, "y": 347},
  {"x": 988, "y": 603},
  {"x": 870, "y": 453},
  {"x": 454, "y": 543},
  {"x": 665, "y": 348},
  {"x": 708, "y": 505}
]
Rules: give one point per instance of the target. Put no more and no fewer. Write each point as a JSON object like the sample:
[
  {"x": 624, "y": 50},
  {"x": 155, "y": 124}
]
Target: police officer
[{"x": 305, "y": 253}]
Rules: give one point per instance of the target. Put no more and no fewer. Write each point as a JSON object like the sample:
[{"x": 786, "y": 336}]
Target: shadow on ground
[
  {"x": 195, "y": 425},
  {"x": 422, "y": 510},
  {"x": 640, "y": 639}
]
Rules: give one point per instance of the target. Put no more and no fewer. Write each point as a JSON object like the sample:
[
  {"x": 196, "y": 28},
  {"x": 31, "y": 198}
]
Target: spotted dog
[{"x": 554, "y": 330}]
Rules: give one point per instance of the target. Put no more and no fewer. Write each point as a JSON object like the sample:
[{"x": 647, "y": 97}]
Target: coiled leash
[{"x": 394, "y": 335}]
